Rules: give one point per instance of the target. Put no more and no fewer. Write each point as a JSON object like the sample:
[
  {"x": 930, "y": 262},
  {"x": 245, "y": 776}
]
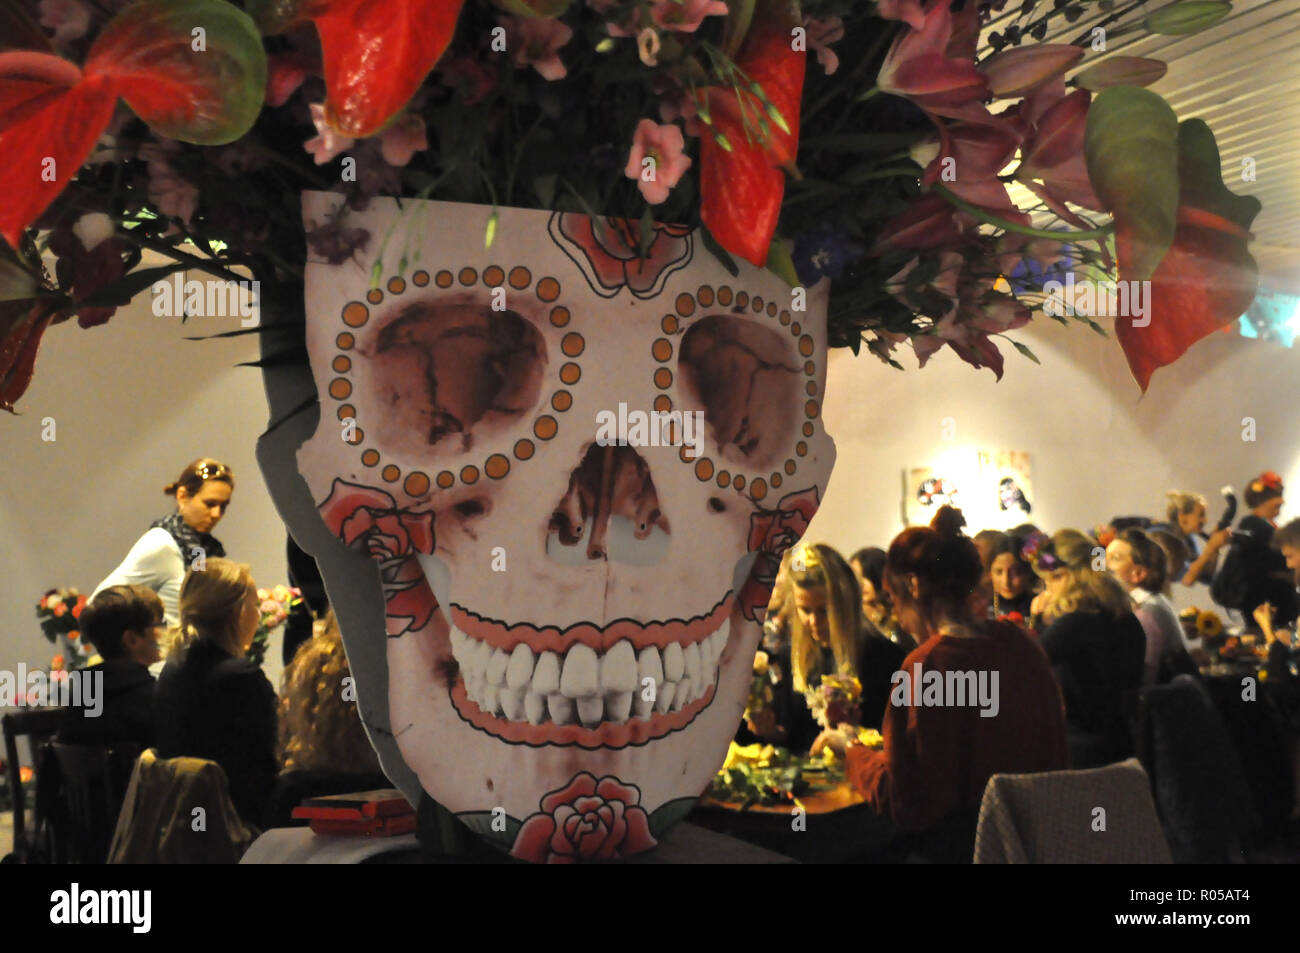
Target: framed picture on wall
[
  {"x": 1006, "y": 487},
  {"x": 924, "y": 491}
]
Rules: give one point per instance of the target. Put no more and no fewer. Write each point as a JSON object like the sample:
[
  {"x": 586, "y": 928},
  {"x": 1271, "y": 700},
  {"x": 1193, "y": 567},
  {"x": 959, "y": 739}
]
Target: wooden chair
[
  {"x": 37, "y": 725},
  {"x": 84, "y": 799}
]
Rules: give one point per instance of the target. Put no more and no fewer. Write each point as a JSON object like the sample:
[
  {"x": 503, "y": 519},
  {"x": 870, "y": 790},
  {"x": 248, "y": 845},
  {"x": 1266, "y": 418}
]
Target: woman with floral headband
[
  {"x": 160, "y": 558},
  {"x": 942, "y": 747},
  {"x": 1096, "y": 645},
  {"x": 828, "y": 636},
  {"x": 1253, "y": 571}
]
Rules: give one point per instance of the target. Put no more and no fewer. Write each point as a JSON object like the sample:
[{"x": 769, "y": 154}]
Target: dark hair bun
[{"x": 948, "y": 521}]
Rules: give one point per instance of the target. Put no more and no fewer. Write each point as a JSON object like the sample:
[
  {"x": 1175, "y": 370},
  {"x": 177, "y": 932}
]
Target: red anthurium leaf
[
  {"x": 1206, "y": 280},
  {"x": 740, "y": 189},
  {"x": 194, "y": 70},
  {"x": 376, "y": 54},
  {"x": 741, "y": 197},
  {"x": 1131, "y": 148},
  {"x": 22, "y": 331},
  {"x": 42, "y": 151}
]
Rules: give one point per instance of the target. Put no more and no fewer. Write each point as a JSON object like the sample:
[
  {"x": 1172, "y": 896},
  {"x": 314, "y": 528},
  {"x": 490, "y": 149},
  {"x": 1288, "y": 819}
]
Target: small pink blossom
[
  {"x": 664, "y": 145},
  {"x": 403, "y": 139},
  {"x": 285, "y": 73},
  {"x": 821, "y": 34},
  {"x": 536, "y": 43},
  {"x": 685, "y": 16},
  {"x": 69, "y": 19},
  {"x": 328, "y": 143}
]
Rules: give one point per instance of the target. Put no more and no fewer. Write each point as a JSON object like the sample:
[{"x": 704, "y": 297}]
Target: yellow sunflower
[{"x": 1209, "y": 625}]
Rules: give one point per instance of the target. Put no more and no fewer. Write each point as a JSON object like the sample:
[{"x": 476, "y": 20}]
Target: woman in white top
[{"x": 173, "y": 543}]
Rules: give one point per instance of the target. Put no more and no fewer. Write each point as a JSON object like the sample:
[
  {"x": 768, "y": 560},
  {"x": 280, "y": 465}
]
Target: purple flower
[{"x": 823, "y": 253}]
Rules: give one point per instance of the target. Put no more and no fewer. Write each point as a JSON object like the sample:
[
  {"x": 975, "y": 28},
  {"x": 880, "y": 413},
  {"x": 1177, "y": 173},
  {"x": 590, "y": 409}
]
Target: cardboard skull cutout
[{"x": 576, "y": 470}]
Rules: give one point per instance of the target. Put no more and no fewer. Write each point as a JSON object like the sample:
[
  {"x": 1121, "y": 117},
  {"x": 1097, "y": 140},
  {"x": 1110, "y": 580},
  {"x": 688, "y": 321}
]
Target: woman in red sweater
[{"x": 974, "y": 699}]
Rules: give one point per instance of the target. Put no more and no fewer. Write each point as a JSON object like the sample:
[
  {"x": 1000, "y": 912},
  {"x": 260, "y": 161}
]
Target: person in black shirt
[
  {"x": 123, "y": 623},
  {"x": 1254, "y": 571},
  {"x": 213, "y": 703},
  {"x": 1095, "y": 644}
]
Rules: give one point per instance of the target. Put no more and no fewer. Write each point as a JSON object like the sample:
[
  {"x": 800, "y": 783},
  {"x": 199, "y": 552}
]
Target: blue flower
[{"x": 823, "y": 253}]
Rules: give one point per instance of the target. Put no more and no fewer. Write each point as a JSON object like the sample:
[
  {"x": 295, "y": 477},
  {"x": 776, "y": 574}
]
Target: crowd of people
[
  {"x": 1076, "y": 625},
  {"x": 176, "y": 599}
]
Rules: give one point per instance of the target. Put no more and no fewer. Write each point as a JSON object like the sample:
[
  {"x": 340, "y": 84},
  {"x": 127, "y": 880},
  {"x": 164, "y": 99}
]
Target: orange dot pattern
[
  {"x": 357, "y": 314},
  {"x": 686, "y": 305}
]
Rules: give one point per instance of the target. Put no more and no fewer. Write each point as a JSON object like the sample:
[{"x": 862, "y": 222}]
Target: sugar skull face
[{"x": 577, "y": 470}]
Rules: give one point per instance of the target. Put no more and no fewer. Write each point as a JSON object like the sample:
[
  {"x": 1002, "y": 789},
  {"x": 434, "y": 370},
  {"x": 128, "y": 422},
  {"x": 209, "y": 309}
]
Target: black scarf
[{"x": 188, "y": 539}]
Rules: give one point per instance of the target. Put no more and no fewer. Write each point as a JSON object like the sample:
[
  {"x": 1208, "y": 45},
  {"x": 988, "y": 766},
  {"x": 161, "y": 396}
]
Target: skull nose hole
[{"x": 610, "y": 504}]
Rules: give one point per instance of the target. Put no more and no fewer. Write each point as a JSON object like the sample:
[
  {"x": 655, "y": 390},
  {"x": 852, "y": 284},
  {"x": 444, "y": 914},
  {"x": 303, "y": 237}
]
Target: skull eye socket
[
  {"x": 450, "y": 371},
  {"x": 746, "y": 378},
  {"x": 716, "y": 504}
]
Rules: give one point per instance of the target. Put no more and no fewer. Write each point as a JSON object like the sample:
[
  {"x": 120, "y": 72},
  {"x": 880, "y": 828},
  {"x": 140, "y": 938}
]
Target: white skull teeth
[{"x": 586, "y": 687}]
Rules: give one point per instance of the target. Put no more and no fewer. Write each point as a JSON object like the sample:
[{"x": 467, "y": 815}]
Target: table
[{"x": 838, "y": 827}]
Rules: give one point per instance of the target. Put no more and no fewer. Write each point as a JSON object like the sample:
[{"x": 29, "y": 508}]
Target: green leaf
[
  {"x": 781, "y": 264},
  {"x": 1023, "y": 349},
  {"x": 668, "y": 814},
  {"x": 544, "y": 188},
  {"x": 1189, "y": 16},
  {"x": 719, "y": 252},
  {"x": 1200, "y": 182},
  {"x": 646, "y": 232},
  {"x": 740, "y": 13},
  {"x": 1131, "y": 148},
  {"x": 206, "y": 88}
]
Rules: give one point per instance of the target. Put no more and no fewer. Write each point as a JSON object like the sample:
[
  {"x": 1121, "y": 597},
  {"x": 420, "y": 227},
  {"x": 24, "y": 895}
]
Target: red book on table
[{"x": 360, "y": 807}]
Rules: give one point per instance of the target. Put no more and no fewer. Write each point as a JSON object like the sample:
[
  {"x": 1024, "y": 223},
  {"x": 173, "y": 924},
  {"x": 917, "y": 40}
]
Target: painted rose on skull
[{"x": 571, "y": 620}]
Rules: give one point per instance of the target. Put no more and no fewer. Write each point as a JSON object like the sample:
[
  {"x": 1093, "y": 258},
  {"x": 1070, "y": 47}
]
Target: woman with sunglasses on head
[{"x": 160, "y": 558}]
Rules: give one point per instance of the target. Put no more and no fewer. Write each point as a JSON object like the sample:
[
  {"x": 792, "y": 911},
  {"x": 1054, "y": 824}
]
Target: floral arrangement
[
  {"x": 1040, "y": 553},
  {"x": 276, "y": 605},
  {"x": 835, "y": 701},
  {"x": 59, "y": 612},
  {"x": 188, "y": 128},
  {"x": 1201, "y": 624},
  {"x": 763, "y": 774}
]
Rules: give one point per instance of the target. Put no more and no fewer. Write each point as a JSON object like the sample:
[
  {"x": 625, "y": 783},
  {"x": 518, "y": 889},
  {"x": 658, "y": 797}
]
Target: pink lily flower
[
  {"x": 1017, "y": 71},
  {"x": 1053, "y": 155},
  {"x": 403, "y": 139},
  {"x": 328, "y": 143},
  {"x": 918, "y": 68},
  {"x": 665, "y": 145},
  {"x": 821, "y": 34}
]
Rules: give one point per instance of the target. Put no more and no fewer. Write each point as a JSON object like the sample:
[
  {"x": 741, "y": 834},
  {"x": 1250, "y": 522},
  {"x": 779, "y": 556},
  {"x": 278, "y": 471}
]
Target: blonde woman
[
  {"x": 1095, "y": 644},
  {"x": 211, "y": 702},
  {"x": 828, "y": 635},
  {"x": 1186, "y": 514}
]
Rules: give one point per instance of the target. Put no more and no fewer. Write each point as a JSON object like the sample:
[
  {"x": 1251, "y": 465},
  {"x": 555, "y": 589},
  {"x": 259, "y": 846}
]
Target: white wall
[
  {"x": 1098, "y": 448},
  {"x": 133, "y": 402}
]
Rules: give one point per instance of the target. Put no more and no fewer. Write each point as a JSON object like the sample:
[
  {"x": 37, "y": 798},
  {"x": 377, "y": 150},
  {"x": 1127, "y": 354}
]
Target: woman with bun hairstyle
[
  {"x": 1096, "y": 645},
  {"x": 212, "y": 702},
  {"x": 173, "y": 543},
  {"x": 828, "y": 635},
  {"x": 937, "y": 758}
]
